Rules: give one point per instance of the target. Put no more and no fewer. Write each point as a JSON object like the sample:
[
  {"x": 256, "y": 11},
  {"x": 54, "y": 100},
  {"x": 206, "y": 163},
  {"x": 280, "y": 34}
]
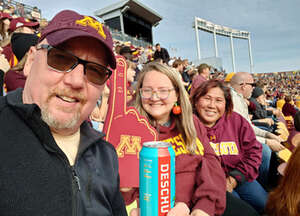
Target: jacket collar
[{"x": 31, "y": 114}]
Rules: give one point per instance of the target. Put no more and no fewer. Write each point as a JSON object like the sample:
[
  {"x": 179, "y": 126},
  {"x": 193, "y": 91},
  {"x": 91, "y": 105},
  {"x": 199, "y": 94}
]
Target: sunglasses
[{"x": 63, "y": 61}]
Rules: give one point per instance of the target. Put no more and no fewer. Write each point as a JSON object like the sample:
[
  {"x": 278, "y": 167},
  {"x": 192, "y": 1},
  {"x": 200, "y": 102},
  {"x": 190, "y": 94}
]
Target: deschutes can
[{"x": 157, "y": 178}]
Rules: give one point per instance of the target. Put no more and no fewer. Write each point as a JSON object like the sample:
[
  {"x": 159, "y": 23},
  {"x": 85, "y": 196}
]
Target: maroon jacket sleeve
[
  {"x": 251, "y": 151},
  {"x": 210, "y": 193}
]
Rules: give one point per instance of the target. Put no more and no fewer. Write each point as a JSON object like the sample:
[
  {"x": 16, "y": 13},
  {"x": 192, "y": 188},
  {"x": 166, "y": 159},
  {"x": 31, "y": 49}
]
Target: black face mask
[{"x": 21, "y": 42}]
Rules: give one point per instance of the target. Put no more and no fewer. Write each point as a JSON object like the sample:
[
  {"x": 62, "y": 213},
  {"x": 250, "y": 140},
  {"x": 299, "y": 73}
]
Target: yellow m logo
[
  {"x": 129, "y": 145},
  {"x": 88, "y": 21}
]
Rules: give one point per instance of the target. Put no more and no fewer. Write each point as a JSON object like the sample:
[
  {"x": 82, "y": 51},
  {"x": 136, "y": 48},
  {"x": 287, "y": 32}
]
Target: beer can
[{"x": 156, "y": 178}]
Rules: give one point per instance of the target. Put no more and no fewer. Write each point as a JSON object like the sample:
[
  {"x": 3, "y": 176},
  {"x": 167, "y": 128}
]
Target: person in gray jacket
[{"x": 51, "y": 161}]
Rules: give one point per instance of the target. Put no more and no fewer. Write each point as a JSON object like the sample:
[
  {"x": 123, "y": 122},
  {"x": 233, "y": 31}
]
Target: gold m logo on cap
[{"x": 88, "y": 21}]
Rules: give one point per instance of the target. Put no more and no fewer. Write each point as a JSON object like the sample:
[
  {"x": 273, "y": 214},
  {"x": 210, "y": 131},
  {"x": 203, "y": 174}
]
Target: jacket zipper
[
  {"x": 75, "y": 190},
  {"x": 75, "y": 184}
]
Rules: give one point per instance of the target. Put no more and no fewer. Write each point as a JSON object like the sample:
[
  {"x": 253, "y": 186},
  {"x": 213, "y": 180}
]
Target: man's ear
[{"x": 30, "y": 58}]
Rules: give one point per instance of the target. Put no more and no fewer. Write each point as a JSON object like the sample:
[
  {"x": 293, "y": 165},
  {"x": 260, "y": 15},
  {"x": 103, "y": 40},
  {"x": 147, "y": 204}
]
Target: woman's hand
[
  {"x": 180, "y": 209},
  {"x": 230, "y": 183}
]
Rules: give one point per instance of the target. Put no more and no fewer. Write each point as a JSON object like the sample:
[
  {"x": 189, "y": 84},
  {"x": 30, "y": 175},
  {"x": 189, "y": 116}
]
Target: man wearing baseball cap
[{"x": 51, "y": 161}]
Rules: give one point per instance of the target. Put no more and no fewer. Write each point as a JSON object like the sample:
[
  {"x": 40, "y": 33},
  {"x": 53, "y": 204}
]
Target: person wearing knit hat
[
  {"x": 20, "y": 43},
  {"x": 61, "y": 165}
]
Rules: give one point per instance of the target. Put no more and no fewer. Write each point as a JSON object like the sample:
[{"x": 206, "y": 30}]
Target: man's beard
[{"x": 52, "y": 120}]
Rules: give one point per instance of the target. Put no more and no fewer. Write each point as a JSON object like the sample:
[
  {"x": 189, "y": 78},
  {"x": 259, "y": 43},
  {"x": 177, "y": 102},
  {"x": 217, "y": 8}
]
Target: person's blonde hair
[
  {"x": 20, "y": 65},
  {"x": 184, "y": 121}
]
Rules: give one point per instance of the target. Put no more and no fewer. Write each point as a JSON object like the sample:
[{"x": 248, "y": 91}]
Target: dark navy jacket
[{"x": 36, "y": 178}]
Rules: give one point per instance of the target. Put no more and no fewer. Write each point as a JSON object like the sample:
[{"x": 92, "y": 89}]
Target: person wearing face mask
[
  {"x": 18, "y": 25},
  {"x": 20, "y": 42}
]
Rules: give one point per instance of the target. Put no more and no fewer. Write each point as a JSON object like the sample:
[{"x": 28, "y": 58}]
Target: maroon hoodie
[
  {"x": 233, "y": 139},
  {"x": 200, "y": 180}
]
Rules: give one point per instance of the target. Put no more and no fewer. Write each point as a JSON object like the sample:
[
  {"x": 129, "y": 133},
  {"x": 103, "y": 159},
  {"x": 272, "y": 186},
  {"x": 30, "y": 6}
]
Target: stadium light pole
[
  {"x": 215, "y": 42},
  {"x": 232, "y": 53},
  {"x": 197, "y": 39},
  {"x": 250, "y": 54}
]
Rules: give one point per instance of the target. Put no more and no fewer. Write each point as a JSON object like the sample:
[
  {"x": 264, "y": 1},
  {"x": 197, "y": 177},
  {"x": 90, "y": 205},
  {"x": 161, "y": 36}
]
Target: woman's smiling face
[{"x": 158, "y": 108}]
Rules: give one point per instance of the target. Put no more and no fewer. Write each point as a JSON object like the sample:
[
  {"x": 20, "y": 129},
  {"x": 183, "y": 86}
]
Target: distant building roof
[{"x": 133, "y": 6}]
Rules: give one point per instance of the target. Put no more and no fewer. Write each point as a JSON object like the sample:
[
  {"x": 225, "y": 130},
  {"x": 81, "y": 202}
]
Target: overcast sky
[{"x": 275, "y": 32}]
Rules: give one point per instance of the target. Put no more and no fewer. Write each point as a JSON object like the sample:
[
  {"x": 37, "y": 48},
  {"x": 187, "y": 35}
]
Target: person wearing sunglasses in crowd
[
  {"x": 200, "y": 180},
  {"x": 51, "y": 161},
  {"x": 233, "y": 140}
]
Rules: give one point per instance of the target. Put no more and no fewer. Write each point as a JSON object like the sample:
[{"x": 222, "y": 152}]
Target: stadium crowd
[{"x": 247, "y": 123}]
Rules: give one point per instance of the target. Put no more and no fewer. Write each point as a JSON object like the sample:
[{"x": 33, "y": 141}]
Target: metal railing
[{"x": 117, "y": 35}]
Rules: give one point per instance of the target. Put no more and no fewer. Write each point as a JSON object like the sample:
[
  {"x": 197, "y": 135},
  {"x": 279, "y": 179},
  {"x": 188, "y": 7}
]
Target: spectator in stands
[
  {"x": 118, "y": 47},
  {"x": 294, "y": 135},
  {"x": 44, "y": 128},
  {"x": 200, "y": 181},
  {"x": 288, "y": 109},
  {"x": 5, "y": 19},
  {"x": 126, "y": 52},
  {"x": 280, "y": 102},
  {"x": 20, "y": 43},
  {"x": 43, "y": 24},
  {"x": 285, "y": 199},
  {"x": 241, "y": 89},
  {"x": 233, "y": 140},
  {"x": 203, "y": 75},
  {"x": 20, "y": 25},
  {"x": 260, "y": 114},
  {"x": 242, "y": 84},
  {"x": 161, "y": 53},
  {"x": 178, "y": 64},
  {"x": 4, "y": 67}
]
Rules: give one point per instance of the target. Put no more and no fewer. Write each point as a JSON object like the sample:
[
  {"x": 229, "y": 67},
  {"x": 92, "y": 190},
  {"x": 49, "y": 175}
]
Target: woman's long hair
[
  {"x": 285, "y": 199},
  {"x": 184, "y": 121}
]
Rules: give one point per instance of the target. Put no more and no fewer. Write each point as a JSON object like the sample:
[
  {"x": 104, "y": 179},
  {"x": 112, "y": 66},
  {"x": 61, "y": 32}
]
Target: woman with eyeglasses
[
  {"x": 200, "y": 181},
  {"x": 233, "y": 140}
]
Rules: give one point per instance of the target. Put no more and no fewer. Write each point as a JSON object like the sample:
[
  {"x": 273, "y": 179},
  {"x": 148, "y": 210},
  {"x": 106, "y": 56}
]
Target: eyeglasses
[
  {"x": 252, "y": 84},
  {"x": 161, "y": 93},
  {"x": 63, "y": 61}
]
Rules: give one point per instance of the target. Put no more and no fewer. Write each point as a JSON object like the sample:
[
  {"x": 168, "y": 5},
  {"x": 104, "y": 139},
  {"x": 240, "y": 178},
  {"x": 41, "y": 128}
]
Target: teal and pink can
[{"x": 157, "y": 178}]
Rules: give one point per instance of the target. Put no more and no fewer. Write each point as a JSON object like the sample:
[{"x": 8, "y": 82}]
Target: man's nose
[{"x": 76, "y": 77}]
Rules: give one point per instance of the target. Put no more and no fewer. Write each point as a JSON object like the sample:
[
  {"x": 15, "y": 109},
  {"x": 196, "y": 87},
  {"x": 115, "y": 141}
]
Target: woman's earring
[{"x": 176, "y": 109}]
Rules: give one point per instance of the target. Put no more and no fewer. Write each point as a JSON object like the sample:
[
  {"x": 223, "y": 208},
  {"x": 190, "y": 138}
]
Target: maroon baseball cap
[
  {"x": 21, "y": 22},
  {"x": 68, "y": 24}
]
